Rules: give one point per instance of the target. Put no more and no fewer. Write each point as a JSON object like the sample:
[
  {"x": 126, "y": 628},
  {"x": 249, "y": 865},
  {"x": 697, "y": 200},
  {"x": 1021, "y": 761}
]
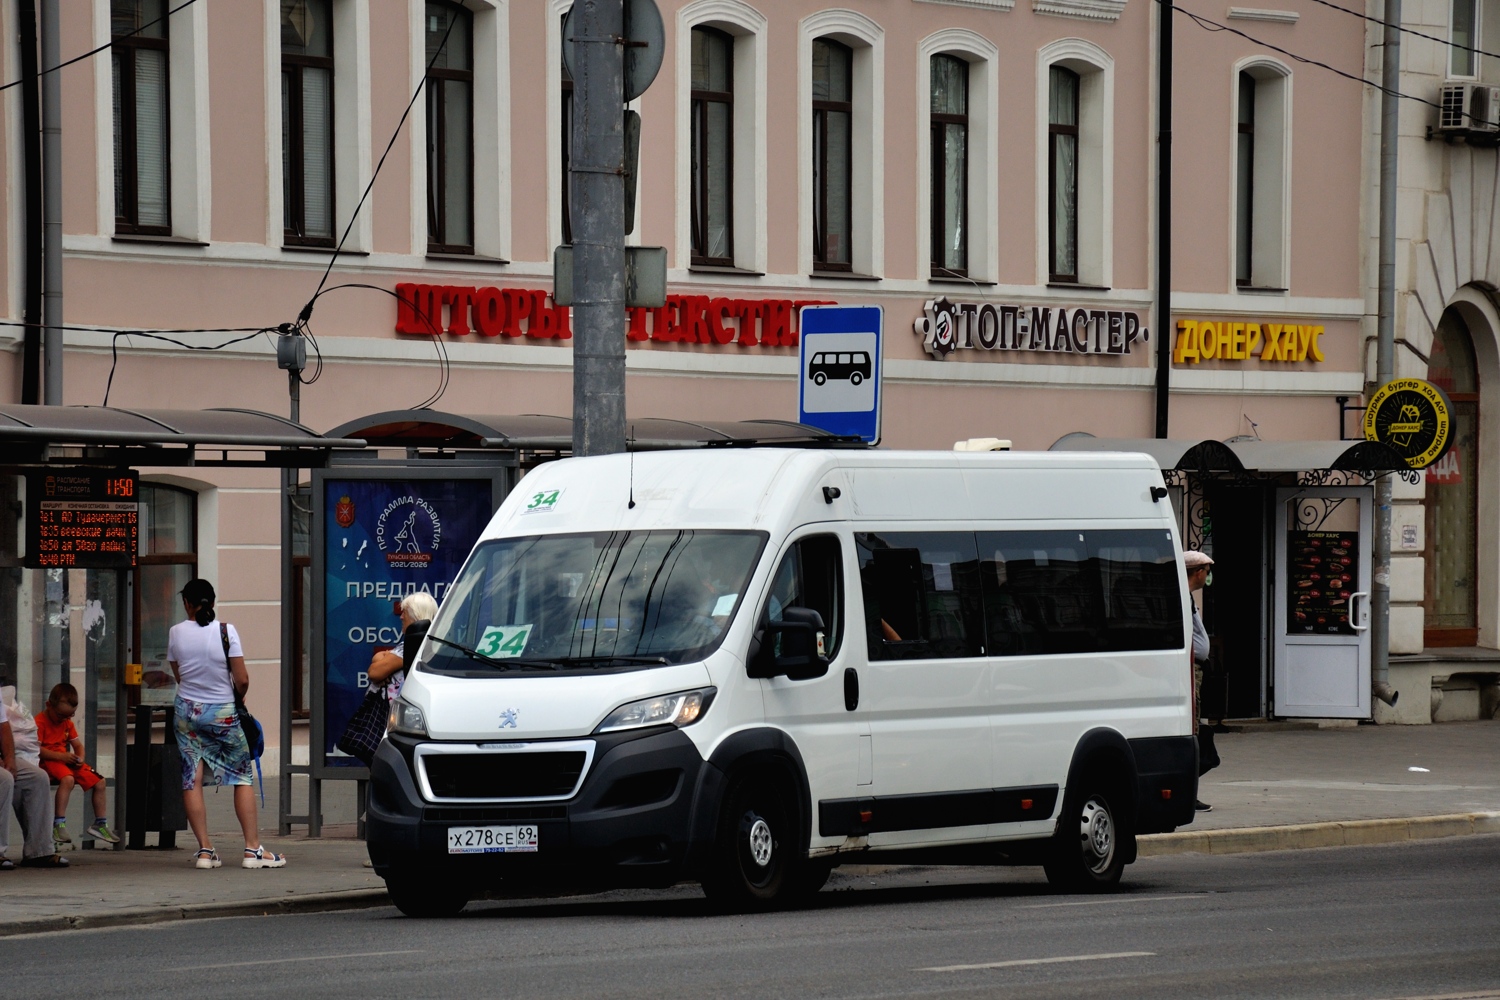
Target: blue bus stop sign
[{"x": 839, "y": 369}]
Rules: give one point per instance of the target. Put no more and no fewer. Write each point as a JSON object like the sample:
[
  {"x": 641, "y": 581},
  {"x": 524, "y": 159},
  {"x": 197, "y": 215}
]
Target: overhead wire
[
  {"x": 106, "y": 46},
  {"x": 1409, "y": 31},
  {"x": 1208, "y": 24}
]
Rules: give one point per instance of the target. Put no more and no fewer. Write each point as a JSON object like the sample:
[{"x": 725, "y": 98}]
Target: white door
[{"x": 1322, "y": 602}]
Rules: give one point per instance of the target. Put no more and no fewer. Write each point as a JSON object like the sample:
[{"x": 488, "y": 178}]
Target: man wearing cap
[{"x": 1197, "y": 564}]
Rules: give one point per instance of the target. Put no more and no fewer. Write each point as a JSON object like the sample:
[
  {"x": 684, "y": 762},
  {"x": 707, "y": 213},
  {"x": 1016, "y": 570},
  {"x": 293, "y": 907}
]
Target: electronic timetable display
[{"x": 82, "y": 518}]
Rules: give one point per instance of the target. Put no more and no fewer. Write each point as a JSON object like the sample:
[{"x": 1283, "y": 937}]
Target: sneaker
[
  {"x": 206, "y": 857},
  {"x": 101, "y": 831},
  {"x": 1202, "y": 806},
  {"x": 60, "y": 834},
  {"x": 262, "y": 858}
]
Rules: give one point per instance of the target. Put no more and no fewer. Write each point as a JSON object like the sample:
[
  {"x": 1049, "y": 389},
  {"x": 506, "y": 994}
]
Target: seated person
[{"x": 62, "y": 759}]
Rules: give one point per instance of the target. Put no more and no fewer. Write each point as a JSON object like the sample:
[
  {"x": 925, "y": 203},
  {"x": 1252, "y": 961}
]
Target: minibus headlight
[
  {"x": 407, "y": 718},
  {"x": 681, "y": 709}
]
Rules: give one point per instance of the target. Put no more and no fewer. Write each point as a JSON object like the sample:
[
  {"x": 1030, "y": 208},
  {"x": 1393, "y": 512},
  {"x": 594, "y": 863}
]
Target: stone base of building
[{"x": 1444, "y": 685}]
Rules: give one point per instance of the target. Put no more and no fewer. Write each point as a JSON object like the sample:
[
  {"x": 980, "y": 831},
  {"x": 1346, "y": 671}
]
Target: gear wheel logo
[{"x": 938, "y": 327}]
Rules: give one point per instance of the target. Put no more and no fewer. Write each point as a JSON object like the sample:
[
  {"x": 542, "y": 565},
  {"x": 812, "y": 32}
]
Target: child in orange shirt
[{"x": 62, "y": 758}]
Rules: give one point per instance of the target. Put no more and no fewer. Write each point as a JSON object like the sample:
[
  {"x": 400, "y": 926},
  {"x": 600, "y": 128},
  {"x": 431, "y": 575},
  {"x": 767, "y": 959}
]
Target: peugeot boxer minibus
[{"x": 748, "y": 666}]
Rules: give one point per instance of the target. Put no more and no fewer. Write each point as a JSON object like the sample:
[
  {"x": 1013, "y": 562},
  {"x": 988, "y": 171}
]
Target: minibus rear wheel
[
  {"x": 753, "y": 853},
  {"x": 417, "y": 896},
  {"x": 1088, "y": 852}
]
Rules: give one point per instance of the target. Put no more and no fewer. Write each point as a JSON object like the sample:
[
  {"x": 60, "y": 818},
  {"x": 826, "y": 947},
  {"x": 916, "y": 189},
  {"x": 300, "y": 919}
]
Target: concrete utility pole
[
  {"x": 597, "y": 182},
  {"x": 52, "y": 300},
  {"x": 1385, "y": 349}
]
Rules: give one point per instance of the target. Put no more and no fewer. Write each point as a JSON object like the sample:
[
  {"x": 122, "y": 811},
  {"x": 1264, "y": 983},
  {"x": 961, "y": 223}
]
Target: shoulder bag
[{"x": 254, "y": 737}]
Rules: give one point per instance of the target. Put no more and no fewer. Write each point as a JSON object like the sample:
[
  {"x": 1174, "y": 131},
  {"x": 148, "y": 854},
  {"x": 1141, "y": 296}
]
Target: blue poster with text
[{"x": 383, "y": 539}]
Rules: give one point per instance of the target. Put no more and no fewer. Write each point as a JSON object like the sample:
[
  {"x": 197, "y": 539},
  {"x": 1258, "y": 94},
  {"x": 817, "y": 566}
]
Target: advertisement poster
[
  {"x": 385, "y": 538},
  {"x": 1322, "y": 570}
]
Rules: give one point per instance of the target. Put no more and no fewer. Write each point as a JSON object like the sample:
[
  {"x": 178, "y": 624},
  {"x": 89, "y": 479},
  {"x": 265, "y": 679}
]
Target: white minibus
[{"x": 747, "y": 666}]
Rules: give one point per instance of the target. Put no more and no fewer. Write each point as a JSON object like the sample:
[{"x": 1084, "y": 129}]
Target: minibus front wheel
[
  {"x": 417, "y": 895},
  {"x": 1088, "y": 852},
  {"x": 750, "y": 867}
]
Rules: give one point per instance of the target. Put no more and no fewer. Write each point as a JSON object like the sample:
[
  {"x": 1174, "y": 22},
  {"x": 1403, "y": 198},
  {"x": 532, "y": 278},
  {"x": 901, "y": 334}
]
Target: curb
[
  {"x": 317, "y": 902},
  {"x": 1246, "y": 840},
  {"x": 1351, "y": 833}
]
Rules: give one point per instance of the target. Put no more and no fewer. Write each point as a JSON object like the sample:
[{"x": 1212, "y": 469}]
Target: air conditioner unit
[
  {"x": 1484, "y": 108},
  {"x": 1469, "y": 107},
  {"x": 1453, "y": 103}
]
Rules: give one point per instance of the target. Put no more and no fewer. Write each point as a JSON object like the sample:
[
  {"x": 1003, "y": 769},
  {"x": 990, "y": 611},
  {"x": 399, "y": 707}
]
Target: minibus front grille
[
  {"x": 493, "y": 814},
  {"x": 504, "y": 775}
]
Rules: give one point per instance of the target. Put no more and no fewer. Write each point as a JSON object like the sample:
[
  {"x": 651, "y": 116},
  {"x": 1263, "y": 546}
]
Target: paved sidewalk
[{"x": 1275, "y": 790}]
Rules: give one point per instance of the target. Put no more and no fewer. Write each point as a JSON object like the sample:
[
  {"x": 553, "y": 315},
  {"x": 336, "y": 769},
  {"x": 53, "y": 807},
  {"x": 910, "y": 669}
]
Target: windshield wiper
[
  {"x": 616, "y": 658},
  {"x": 472, "y": 654}
]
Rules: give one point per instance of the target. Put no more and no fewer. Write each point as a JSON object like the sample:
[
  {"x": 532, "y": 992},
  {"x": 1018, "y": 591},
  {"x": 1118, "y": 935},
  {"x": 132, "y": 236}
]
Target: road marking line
[
  {"x": 304, "y": 958},
  {"x": 1114, "y": 899},
  {"x": 1037, "y": 961},
  {"x": 1481, "y": 995}
]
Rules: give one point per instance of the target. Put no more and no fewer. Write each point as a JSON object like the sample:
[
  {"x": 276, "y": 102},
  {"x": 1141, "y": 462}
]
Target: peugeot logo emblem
[{"x": 508, "y": 719}]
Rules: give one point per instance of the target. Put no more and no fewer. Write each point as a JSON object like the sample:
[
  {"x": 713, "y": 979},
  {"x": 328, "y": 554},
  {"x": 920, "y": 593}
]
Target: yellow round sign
[{"x": 1413, "y": 417}]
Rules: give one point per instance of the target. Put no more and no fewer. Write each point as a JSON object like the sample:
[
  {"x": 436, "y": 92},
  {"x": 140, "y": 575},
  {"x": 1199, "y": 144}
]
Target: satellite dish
[{"x": 648, "y": 38}]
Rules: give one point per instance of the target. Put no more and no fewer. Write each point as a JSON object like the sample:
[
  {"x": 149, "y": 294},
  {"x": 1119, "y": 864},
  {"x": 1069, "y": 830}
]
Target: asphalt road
[{"x": 1408, "y": 920}]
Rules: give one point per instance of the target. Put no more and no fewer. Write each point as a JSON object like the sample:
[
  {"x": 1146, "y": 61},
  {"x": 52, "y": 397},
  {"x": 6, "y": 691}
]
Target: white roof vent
[{"x": 982, "y": 444}]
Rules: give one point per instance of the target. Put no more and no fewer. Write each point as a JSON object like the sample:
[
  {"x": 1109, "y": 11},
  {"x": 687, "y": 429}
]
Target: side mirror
[
  {"x": 791, "y": 647},
  {"x": 412, "y": 641}
]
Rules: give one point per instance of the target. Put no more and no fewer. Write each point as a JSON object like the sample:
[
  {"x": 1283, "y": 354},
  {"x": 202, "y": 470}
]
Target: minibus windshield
[{"x": 587, "y": 602}]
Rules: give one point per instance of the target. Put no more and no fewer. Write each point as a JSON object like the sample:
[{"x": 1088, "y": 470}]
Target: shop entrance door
[{"x": 1322, "y": 602}]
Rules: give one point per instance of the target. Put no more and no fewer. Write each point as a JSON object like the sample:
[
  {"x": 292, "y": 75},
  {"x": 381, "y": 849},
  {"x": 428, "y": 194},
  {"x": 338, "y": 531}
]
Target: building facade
[
  {"x": 982, "y": 169},
  {"x": 1445, "y": 573}
]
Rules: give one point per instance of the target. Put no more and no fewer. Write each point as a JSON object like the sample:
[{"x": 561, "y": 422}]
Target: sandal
[
  {"x": 46, "y": 861},
  {"x": 262, "y": 858},
  {"x": 206, "y": 857}
]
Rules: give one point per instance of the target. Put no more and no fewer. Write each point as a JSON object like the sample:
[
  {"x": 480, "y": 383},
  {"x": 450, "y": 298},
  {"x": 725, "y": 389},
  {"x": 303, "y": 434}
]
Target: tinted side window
[
  {"x": 1041, "y": 592},
  {"x": 922, "y": 595},
  {"x": 1079, "y": 592},
  {"x": 811, "y": 575},
  {"x": 1140, "y": 586}
]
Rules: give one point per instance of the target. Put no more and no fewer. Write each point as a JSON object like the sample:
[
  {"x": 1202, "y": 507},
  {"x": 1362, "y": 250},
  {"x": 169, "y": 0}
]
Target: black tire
[
  {"x": 856, "y": 378},
  {"x": 810, "y": 878},
  {"x": 754, "y": 855},
  {"x": 1088, "y": 851},
  {"x": 424, "y": 896},
  {"x": 820, "y": 378}
]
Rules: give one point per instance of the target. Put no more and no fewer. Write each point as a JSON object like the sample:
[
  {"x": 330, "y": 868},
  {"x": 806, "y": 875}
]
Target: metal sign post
[{"x": 839, "y": 365}]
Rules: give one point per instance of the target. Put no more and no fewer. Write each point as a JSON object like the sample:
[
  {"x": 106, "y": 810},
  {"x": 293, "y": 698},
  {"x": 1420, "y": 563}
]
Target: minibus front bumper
[{"x": 630, "y": 822}]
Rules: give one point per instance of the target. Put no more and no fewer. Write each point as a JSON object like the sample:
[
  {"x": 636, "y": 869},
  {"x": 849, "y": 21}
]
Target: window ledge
[
  {"x": 958, "y": 279},
  {"x": 986, "y": 4},
  {"x": 724, "y": 269},
  {"x": 844, "y": 276},
  {"x": 1261, "y": 290},
  {"x": 1076, "y": 287},
  {"x": 475, "y": 257},
  {"x": 299, "y": 248},
  {"x": 166, "y": 241}
]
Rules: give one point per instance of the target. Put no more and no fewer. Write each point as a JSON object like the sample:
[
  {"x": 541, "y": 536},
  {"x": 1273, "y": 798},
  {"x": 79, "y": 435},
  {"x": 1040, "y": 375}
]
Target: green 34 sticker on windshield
[
  {"x": 501, "y": 642},
  {"x": 542, "y": 500}
]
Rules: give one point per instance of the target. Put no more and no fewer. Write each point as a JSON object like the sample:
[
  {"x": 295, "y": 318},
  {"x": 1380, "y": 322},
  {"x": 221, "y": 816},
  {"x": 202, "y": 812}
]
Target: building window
[
  {"x": 833, "y": 110},
  {"x": 167, "y": 558},
  {"x": 1451, "y": 591},
  {"x": 450, "y": 129},
  {"x": 567, "y": 151},
  {"x": 1463, "y": 37},
  {"x": 950, "y": 165},
  {"x": 307, "y": 121},
  {"x": 1062, "y": 175},
  {"x": 143, "y": 202},
  {"x": 1260, "y": 96},
  {"x": 713, "y": 147},
  {"x": 1245, "y": 188}
]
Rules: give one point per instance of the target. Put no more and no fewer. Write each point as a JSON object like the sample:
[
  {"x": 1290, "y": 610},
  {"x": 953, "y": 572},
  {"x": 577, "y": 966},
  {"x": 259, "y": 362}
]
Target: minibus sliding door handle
[{"x": 851, "y": 688}]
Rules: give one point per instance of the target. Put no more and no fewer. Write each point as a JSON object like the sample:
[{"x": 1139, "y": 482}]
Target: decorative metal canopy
[
  {"x": 433, "y": 429},
  {"x": 107, "y": 435}
]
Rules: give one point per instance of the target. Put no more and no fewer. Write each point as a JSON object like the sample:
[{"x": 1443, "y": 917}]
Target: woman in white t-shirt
[{"x": 210, "y": 669}]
